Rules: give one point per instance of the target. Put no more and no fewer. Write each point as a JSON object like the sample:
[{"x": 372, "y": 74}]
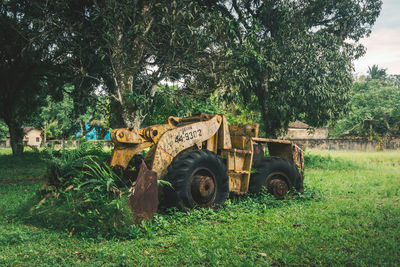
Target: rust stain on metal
[
  {"x": 279, "y": 188},
  {"x": 202, "y": 186},
  {"x": 224, "y": 136},
  {"x": 143, "y": 200}
]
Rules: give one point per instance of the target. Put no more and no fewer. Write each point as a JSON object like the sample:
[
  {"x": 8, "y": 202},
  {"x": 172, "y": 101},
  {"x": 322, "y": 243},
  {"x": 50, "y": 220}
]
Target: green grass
[
  {"x": 25, "y": 168},
  {"x": 390, "y": 157},
  {"x": 349, "y": 215}
]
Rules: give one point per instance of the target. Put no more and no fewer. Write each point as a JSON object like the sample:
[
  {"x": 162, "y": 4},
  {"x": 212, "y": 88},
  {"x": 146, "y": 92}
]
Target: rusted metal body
[
  {"x": 284, "y": 149},
  {"x": 238, "y": 145},
  {"x": 143, "y": 200}
]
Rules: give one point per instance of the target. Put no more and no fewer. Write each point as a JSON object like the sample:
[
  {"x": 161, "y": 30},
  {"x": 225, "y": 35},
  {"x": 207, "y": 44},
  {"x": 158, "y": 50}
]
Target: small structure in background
[
  {"x": 301, "y": 130},
  {"x": 33, "y": 136}
]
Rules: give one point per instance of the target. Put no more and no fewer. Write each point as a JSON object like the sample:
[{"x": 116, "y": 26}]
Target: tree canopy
[
  {"x": 375, "y": 108},
  {"x": 128, "y": 47},
  {"x": 296, "y": 56},
  {"x": 287, "y": 59}
]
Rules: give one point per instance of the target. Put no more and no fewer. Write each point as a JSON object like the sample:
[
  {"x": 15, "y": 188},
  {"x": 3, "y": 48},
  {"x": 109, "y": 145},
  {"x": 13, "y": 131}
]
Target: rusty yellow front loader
[{"x": 204, "y": 160}]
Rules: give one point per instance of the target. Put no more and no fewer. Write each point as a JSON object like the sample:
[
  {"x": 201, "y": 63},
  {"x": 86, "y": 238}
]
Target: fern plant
[
  {"x": 85, "y": 194},
  {"x": 102, "y": 178},
  {"x": 65, "y": 164}
]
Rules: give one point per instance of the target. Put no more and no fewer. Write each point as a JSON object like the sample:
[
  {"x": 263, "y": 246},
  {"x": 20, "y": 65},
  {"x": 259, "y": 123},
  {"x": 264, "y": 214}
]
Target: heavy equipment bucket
[{"x": 143, "y": 198}]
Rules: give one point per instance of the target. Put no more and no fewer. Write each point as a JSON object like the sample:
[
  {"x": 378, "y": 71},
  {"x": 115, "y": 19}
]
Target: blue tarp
[{"x": 93, "y": 135}]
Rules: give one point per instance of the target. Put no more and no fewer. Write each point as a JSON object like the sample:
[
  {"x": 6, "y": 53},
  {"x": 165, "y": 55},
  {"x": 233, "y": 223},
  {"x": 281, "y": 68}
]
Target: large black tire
[
  {"x": 278, "y": 175},
  {"x": 199, "y": 179}
]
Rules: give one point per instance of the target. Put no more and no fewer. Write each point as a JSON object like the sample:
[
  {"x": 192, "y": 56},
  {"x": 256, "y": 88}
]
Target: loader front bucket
[{"x": 143, "y": 199}]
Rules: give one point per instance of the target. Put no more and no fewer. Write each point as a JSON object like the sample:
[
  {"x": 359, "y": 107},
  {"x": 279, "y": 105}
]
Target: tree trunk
[
  {"x": 116, "y": 120},
  {"x": 272, "y": 123},
  {"x": 16, "y": 138},
  {"x": 261, "y": 93},
  {"x": 45, "y": 134},
  {"x": 268, "y": 128},
  {"x": 82, "y": 129},
  {"x": 127, "y": 112},
  {"x": 133, "y": 120}
]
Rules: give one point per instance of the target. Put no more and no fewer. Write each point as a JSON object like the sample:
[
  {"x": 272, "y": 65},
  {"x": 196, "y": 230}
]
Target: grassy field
[{"x": 349, "y": 215}]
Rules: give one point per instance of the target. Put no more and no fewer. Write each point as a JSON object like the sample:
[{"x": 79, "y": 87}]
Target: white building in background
[
  {"x": 301, "y": 130},
  {"x": 32, "y": 137}
]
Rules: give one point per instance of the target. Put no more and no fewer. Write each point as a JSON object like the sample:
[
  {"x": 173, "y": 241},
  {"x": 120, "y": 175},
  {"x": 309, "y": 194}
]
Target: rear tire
[
  {"x": 278, "y": 175},
  {"x": 199, "y": 179}
]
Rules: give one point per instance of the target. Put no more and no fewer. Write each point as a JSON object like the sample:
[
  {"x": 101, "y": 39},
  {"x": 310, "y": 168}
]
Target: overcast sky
[{"x": 383, "y": 45}]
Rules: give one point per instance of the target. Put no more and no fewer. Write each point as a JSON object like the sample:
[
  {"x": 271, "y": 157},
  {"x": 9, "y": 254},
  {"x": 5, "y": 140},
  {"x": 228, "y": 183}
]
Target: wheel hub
[
  {"x": 203, "y": 189},
  {"x": 279, "y": 188}
]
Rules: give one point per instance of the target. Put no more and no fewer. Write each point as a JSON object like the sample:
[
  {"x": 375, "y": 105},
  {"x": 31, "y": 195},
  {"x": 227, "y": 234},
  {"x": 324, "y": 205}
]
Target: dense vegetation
[
  {"x": 282, "y": 60},
  {"x": 374, "y": 107},
  {"x": 349, "y": 215}
]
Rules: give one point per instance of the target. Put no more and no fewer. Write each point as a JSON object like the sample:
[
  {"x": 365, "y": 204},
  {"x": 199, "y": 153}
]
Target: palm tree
[{"x": 375, "y": 72}]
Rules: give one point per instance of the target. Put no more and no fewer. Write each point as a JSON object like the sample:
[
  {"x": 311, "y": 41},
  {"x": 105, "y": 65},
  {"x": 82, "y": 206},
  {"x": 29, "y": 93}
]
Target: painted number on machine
[{"x": 186, "y": 136}]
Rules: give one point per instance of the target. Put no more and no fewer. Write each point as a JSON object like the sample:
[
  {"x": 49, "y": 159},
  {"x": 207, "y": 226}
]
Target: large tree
[
  {"x": 126, "y": 48},
  {"x": 295, "y": 55},
  {"x": 25, "y": 67}
]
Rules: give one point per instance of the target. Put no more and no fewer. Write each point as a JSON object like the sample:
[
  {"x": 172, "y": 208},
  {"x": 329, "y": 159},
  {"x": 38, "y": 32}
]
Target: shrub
[{"x": 83, "y": 195}]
